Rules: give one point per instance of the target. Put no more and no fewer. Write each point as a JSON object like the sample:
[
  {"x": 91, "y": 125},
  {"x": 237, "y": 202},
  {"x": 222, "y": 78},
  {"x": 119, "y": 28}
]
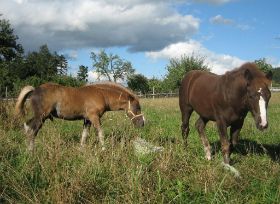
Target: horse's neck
[
  {"x": 233, "y": 91},
  {"x": 118, "y": 103}
]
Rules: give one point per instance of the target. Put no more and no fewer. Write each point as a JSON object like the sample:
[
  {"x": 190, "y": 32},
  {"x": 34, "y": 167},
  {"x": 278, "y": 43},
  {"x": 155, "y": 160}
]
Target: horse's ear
[
  {"x": 248, "y": 75},
  {"x": 269, "y": 75}
]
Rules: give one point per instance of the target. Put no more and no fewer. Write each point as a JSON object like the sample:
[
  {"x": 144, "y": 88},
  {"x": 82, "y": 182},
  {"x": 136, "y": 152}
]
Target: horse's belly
[
  {"x": 203, "y": 108},
  {"x": 67, "y": 113}
]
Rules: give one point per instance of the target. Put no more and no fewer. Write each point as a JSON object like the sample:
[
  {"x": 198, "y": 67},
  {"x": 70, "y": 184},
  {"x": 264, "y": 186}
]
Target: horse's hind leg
[
  {"x": 31, "y": 130},
  {"x": 95, "y": 120},
  {"x": 186, "y": 114},
  {"x": 85, "y": 133},
  {"x": 200, "y": 125}
]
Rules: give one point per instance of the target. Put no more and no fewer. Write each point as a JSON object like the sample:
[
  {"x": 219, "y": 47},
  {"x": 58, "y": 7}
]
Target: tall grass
[{"x": 61, "y": 172}]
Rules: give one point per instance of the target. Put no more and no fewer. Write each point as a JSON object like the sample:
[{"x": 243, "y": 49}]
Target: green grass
[{"x": 61, "y": 172}]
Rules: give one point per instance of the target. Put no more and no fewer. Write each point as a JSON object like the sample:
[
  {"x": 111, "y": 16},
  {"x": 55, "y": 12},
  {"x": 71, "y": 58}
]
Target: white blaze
[{"x": 262, "y": 110}]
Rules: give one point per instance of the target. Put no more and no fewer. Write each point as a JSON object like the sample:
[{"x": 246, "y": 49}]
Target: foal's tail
[{"x": 22, "y": 98}]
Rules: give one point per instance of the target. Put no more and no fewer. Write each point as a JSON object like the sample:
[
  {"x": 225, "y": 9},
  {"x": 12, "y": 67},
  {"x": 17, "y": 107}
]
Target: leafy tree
[
  {"x": 138, "y": 82},
  {"x": 67, "y": 80},
  {"x": 82, "y": 73},
  {"x": 62, "y": 64},
  {"x": 177, "y": 68},
  {"x": 44, "y": 64},
  {"x": 157, "y": 84},
  {"x": 9, "y": 48},
  {"x": 11, "y": 56},
  {"x": 111, "y": 66},
  {"x": 276, "y": 76},
  {"x": 263, "y": 65}
]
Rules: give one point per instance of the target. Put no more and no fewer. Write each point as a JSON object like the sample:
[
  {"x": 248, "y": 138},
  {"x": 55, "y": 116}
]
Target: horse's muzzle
[
  {"x": 139, "y": 121},
  {"x": 262, "y": 127}
]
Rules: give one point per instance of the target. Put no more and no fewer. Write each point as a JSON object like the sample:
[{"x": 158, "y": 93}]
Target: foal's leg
[
  {"x": 31, "y": 129},
  {"x": 235, "y": 131},
  {"x": 186, "y": 114},
  {"x": 200, "y": 125},
  {"x": 85, "y": 133},
  {"x": 222, "y": 128},
  {"x": 95, "y": 120}
]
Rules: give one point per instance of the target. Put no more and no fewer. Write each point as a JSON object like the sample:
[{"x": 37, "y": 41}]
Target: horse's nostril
[{"x": 262, "y": 127}]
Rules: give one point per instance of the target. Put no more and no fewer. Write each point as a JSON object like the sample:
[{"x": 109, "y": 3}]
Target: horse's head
[
  {"x": 134, "y": 113},
  {"x": 258, "y": 95}
]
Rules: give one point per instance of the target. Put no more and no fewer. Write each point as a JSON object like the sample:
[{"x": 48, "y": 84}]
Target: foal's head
[
  {"x": 258, "y": 95},
  {"x": 134, "y": 112}
]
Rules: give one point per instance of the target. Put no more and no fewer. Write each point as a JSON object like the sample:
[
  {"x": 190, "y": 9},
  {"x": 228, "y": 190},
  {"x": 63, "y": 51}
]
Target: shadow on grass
[{"x": 245, "y": 147}]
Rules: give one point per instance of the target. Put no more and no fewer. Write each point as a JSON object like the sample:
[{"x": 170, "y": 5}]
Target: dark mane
[
  {"x": 114, "y": 86},
  {"x": 252, "y": 67}
]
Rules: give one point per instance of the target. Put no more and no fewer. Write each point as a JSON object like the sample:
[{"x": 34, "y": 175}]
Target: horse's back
[{"x": 67, "y": 102}]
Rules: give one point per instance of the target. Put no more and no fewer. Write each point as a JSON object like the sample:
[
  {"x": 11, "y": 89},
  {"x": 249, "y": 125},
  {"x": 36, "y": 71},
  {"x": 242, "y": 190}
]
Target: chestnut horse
[
  {"x": 88, "y": 103},
  {"x": 225, "y": 99}
]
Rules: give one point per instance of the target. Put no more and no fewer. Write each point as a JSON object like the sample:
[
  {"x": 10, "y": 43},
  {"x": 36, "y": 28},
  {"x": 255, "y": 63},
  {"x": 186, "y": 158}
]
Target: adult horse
[
  {"x": 88, "y": 103},
  {"x": 225, "y": 99}
]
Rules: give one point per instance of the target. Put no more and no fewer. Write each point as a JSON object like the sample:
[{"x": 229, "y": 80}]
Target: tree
[
  {"x": 276, "y": 76},
  {"x": 82, "y": 74},
  {"x": 11, "y": 56},
  {"x": 138, "y": 82},
  {"x": 177, "y": 68},
  {"x": 62, "y": 64},
  {"x": 157, "y": 84},
  {"x": 44, "y": 64},
  {"x": 111, "y": 66},
  {"x": 9, "y": 48},
  {"x": 263, "y": 65}
]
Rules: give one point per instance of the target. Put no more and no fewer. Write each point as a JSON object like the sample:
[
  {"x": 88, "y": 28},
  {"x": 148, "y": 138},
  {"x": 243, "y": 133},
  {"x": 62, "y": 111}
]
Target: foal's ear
[
  {"x": 248, "y": 75},
  {"x": 269, "y": 75}
]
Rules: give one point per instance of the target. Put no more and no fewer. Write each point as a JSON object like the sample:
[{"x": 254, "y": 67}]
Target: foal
[
  {"x": 225, "y": 99},
  {"x": 88, "y": 103}
]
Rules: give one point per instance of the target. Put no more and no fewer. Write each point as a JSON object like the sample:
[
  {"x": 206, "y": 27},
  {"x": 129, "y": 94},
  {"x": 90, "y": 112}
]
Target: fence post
[
  {"x": 153, "y": 92},
  {"x": 6, "y": 92}
]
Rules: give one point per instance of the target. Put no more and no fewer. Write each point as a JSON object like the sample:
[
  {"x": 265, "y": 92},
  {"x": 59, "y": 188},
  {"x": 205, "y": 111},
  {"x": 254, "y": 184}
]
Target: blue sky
[{"x": 148, "y": 33}]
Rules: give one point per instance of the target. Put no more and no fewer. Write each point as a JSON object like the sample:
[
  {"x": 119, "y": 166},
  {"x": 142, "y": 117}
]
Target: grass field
[{"x": 61, "y": 172}]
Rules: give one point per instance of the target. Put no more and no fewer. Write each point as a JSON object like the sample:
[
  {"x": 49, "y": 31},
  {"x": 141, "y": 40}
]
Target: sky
[{"x": 226, "y": 33}]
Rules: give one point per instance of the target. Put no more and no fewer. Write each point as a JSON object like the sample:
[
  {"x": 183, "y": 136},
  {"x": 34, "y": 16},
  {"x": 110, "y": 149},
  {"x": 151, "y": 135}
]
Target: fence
[
  {"x": 147, "y": 95},
  {"x": 158, "y": 95},
  {"x": 176, "y": 94}
]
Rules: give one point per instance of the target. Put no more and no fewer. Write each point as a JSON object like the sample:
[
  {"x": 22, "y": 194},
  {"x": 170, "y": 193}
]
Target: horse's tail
[{"x": 22, "y": 98}]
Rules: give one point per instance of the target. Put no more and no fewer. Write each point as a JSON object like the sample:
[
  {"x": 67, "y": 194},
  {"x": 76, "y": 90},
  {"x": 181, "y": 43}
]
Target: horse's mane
[
  {"x": 112, "y": 85},
  {"x": 252, "y": 67}
]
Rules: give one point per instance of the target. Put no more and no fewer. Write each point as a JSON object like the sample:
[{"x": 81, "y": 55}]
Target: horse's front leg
[
  {"x": 95, "y": 120},
  {"x": 85, "y": 133},
  {"x": 222, "y": 128},
  {"x": 235, "y": 131}
]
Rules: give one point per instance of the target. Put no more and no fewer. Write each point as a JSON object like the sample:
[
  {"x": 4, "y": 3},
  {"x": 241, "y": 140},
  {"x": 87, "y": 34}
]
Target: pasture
[{"x": 61, "y": 172}]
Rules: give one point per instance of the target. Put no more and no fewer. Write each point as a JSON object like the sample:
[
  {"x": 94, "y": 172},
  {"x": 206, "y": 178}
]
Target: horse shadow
[{"x": 245, "y": 147}]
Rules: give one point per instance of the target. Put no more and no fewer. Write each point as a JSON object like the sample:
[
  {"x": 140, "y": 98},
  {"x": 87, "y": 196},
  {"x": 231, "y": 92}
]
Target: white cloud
[
  {"x": 218, "y": 19},
  {"x": 213, "y": 1},
  {"x": 95, "y": 77},
  {"x": 219, "y": 63},
  {"x": 139, "y": 25}
]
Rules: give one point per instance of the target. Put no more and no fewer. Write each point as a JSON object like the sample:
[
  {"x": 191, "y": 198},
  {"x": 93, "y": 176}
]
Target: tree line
[{"x": 18, "y": 68}]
